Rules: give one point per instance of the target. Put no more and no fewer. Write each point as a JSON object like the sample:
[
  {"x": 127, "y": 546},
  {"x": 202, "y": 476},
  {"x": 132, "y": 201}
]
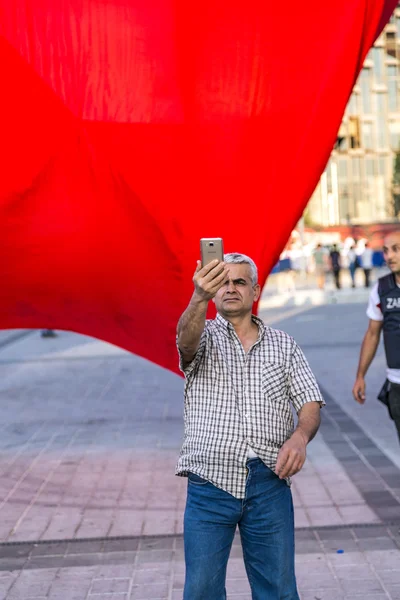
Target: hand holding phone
[{"x": 211, "y": 272}]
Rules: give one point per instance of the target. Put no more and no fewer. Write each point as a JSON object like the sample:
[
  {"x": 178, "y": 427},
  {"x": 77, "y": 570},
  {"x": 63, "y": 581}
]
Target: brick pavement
[
  {"x": 152, "y": 568},
  {"x": 88, "y": 446}
]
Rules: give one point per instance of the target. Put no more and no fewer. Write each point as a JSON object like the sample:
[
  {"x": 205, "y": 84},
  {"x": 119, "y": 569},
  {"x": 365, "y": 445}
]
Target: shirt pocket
[
  {"x": 273, "y": 417},
  {"x": 274, "y": 383}
]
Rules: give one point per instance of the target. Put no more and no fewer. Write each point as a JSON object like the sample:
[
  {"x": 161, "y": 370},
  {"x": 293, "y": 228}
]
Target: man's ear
[{"x": 257, "y": 292}]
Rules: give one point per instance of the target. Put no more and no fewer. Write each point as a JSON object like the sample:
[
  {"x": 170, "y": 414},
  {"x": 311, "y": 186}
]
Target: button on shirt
[{"x": 236, "y": 401}]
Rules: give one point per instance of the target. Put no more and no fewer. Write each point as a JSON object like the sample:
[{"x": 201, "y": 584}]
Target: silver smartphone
[{"x": 210, "y": 249}]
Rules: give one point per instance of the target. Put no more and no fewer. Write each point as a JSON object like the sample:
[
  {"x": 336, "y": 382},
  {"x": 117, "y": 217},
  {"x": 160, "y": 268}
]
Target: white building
[{"x": 357, "y": 184}]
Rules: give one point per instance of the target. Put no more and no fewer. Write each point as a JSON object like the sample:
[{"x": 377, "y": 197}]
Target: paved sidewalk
[
  {"x": 8, "y": 336},
  {"x": 153, "y": 569},
  {"x": 90, "y": 436}
]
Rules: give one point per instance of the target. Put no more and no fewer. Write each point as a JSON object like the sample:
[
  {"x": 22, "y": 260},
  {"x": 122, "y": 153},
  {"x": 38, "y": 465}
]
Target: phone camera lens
[{"x": 211, "y": 243}]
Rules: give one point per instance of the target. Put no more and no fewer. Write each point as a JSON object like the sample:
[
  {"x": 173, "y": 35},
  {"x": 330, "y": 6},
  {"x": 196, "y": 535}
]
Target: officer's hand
[
  {"x": 292, "y": 456},
  {"x": 359, "y": 390},
  {"x": 209, "y": 279}
]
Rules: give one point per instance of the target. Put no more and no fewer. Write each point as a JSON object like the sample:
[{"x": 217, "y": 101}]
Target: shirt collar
[{"x": 226, "y": 327}]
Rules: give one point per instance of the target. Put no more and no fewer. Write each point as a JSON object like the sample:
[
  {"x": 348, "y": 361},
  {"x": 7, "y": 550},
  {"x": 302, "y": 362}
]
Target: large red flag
[{"x": 131, "y": 128}]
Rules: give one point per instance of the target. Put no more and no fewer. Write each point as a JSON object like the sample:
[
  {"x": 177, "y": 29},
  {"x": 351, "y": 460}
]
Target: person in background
[
  {"x": 353, "y": 264},
  {"x": 47, "y": 333},
  {"x": 336, "y": 265},
  {"x": 384, "y": 315},
  {"x": 320, "y": 262},
  {"x": 366, "y": 262}
]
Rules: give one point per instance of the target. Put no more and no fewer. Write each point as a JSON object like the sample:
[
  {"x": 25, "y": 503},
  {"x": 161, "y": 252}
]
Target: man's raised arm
[{"x": 207, "y": 281}]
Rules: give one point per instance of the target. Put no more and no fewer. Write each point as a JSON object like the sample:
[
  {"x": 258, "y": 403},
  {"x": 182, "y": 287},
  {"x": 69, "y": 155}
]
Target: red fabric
[{"x": 131, "y": 128}]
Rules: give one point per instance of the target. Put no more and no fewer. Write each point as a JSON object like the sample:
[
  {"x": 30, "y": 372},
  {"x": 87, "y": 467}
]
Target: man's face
[
  {"x": 237, "y": 294},
  {"x": 391, "y": 251}
]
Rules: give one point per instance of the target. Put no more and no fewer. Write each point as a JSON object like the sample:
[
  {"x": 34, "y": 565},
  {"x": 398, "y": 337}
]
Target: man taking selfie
[{"x": 240, "y": 445}]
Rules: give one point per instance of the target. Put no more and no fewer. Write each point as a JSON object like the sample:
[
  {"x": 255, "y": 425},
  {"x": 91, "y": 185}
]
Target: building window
[
  {"x": 370, "y": 167},
  {"x": 392, "y": 95},
  {"x": 341, "y": 140},
  {"x": 393, "y": 100},
  {"x": 343, "y": 187},
  {"x": 342, "y": 169},
  {"x": 357, "y": 184},
  {"x": 380, "y": 104},
  {"x": 377, "y": 57},
  {"x": 381, "y": 123},
  {"x": 367, "y": 136},
  {"x": 354, "y": 132},
  {"x": 394, "y": 134},
  {"x": 390, "y": 44},
  {"x": 356, "y": 168},
  {"x": 382, "y": 163},
  {"x": 365, "y": 84},
  {"x": 352, "y": 107},
  {"x": 369, "y": 188}
]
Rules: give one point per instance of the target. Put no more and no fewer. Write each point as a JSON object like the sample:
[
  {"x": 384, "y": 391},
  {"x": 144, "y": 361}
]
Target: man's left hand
[{"x": 291, "y": 456}]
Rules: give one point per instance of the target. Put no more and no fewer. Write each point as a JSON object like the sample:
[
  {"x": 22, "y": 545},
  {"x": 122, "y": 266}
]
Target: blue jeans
[
  {"x": 266, "y": 524},
  {"x": 352, "y": 269}
]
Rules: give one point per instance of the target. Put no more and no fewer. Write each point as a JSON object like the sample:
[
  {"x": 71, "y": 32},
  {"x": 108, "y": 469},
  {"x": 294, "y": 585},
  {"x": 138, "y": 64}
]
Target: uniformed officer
[{"x": 384, "y": 314}]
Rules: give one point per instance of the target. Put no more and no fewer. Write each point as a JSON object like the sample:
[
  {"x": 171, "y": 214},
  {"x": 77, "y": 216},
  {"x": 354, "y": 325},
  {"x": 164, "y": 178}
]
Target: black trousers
[
  {"x": 336, "y": 274},
  {"x": 367, "y": 273},
  {"x": 394, "y": 404}
]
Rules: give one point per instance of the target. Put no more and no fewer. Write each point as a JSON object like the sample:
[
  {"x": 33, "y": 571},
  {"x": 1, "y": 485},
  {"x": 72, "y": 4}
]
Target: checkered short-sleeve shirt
[{"x": 235, "y": 400}]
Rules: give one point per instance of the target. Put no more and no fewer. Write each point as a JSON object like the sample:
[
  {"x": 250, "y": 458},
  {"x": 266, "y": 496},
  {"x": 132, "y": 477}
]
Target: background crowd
[{"x": 348, "y": 263}]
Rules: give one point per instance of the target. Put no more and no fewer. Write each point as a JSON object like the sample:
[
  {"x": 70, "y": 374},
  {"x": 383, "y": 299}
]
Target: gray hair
[{"x": 242, "y": 259}]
